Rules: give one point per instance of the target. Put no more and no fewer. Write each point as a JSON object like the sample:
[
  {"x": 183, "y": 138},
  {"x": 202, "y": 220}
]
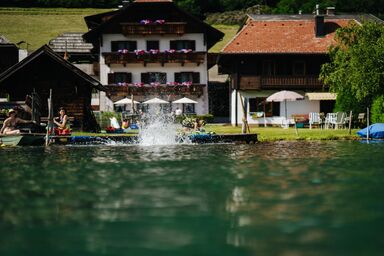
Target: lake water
[{"x": 283, "y": 198}]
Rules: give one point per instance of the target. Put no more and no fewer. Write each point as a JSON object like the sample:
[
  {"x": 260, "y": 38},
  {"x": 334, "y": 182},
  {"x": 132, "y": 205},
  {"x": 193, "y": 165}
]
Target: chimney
[
  {"x": 330, "y": 11},
  {"x": 319, "y": 23}
]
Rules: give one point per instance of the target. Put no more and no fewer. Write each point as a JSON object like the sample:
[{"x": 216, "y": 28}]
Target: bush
[
  {"x": 207, "y": 118},
  {"x": 377, "y": 110},
  {"x": 103, "y": 118}
]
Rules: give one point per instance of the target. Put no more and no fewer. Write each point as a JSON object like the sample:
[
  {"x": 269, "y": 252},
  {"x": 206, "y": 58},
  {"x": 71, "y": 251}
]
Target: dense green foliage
[
  {"x": 201, "y": 7},
  {"x": 356, "y": 70},
  {"x": 377, "y": 111}
]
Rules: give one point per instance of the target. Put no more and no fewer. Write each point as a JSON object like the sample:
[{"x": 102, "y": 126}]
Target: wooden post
[
  {"x": 367, "y": 123},
  {"x": 245, "y": 126},
  {"x": 50, "y": 118},
  {"x": 350, "y": 123}
]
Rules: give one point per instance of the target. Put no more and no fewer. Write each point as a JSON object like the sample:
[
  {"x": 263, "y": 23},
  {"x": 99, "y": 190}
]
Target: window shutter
[
  {"x": 145, "y": 78},
  {"x": 114, "y": 46},
  {"x": 132, "y": 46},
  {"x": 163, "y": 78},
  {"x": 192, "y": 45},
  {"x": 196, "y": 78},
  {"x": 178, "y": 77},
  {"x": 111, "y": 78},
  {"x": 128, "y": 78},
  {"x": 173, "y": 45}
]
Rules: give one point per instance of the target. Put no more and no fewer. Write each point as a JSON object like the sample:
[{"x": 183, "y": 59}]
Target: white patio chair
[
  {"x": 314, "y": 118},
  {"x": 340, "y": 120},
  {"x": 330, "y": 120}
]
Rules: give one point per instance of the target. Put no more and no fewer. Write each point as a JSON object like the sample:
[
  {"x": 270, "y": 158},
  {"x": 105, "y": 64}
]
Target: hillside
[
  {"x": 44, "y": 24},
  {"x": 37, "y": 26}
]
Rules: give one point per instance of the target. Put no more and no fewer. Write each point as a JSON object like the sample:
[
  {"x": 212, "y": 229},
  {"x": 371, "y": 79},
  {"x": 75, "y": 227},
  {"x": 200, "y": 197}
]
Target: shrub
[{"x": 377, "y": 110}]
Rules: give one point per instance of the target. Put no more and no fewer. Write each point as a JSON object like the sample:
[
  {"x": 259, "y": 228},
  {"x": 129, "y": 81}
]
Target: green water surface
[{"x": 283, "y": 198}]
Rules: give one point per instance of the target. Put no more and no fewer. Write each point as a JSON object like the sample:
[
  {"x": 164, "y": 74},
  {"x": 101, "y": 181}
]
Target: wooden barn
[
  {"x": 44, "y": 70},
  {"x": 9, "y": 54}
]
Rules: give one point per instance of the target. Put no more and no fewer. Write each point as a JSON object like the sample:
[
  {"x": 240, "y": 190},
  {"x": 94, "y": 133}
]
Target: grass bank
[
  {"x": 277, "y": 133},
  {"x": 37, "y": 26},
  {"x": 269, "y": 133}
]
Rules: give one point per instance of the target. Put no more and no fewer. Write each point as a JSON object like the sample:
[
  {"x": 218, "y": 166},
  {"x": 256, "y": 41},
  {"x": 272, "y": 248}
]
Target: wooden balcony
[
  {"x": 177, "y": 28},
  {"x": 118, "y": 92},
  {"x": 162, "y": 57},
  {"x": 279, "y": 82}
]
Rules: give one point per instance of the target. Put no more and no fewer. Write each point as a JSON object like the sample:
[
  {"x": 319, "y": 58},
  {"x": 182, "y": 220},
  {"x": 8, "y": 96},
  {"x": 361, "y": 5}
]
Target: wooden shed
[{"x": 44, "y": 70}]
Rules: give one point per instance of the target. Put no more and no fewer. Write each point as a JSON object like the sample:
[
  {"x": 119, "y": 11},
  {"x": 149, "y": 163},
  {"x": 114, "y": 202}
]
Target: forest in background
[{"x": 202, "y": 8}]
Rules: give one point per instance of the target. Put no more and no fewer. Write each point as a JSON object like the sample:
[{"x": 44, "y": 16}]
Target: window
[
  {"x": 298, "y": 68},
  {"x": 182, "y": 77},
  {"x": 154, "y": 77},
  {"x": 268, "y": 68},
  {"x": 189, "y": 108},
  {"x": 153, "y": 45},
  {"x": 121, "y": 45},
  {"x": 260, "y": 104},
  {"x": 119, "y": 77},
  {"x": 183, "y": 44}
]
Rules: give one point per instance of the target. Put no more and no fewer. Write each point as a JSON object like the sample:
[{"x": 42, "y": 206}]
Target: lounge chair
[{"x": 315, "y": 119}]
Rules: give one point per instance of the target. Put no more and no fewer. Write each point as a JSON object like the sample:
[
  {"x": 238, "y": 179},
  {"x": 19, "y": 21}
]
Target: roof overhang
[{"x": 321, "y": 95}]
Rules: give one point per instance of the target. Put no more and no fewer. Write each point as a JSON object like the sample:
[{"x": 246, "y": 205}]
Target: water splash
[{"x": 160, "y": 129}]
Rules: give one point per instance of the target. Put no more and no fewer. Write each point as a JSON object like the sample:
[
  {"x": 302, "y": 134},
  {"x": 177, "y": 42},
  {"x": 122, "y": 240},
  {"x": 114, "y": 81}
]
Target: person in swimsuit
[
  {"x": 9, "y": 125},
  {"x": 62, "y": 123}
]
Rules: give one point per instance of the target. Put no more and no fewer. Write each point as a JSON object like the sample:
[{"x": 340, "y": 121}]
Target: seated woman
[
  {"x": 62, "y": 123},
  {"x": 9, "y": 125}
]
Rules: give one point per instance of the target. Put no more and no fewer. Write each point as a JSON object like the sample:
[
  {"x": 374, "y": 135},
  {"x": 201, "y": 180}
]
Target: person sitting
[
  {"x": 9, "y": 125},
  {"x": 62, "y": 123},
  {"x": 198, "y": 124},
  {"x": 125, "y": 124},
  {"x": 178, "y": 112}
]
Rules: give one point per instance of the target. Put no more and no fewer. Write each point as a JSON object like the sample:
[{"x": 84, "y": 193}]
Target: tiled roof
[{"x": 284, "y": 36}]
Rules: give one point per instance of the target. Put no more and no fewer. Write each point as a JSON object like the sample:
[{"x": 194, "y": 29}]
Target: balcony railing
[
  {"x": 279, "y": 82},
  {"x": 161, "y": 57},
  {"x": 120, "y": 91},
  {"x": 177, "y": 28}
]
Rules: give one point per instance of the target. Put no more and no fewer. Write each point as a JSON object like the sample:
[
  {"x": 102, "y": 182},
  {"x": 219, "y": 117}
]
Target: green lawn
[
  {"x": 37, "y": 26},
  {"x": 269, "y": 133},
  {"x": 229, "y": 31},
  {"x": 277, "y": 133}
]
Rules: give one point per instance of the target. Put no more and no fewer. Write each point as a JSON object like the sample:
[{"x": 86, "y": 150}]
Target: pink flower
[
  {"x": 145, "y": 22},
  {"x": 170, "y": 51},
  {"x": 156, "y": 84},
  {"x": 154, "y": 51},
  {"x": 139, "y": 52},
  {"x": 160, "y": 22},
  {"x": 189, "y": 83},
  {"x": 186, "y": 50},
  {"x": 138, "y": 84}
]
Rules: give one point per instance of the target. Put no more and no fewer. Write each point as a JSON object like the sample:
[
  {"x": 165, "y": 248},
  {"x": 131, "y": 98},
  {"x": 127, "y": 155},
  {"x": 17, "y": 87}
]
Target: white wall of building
[
  {"x": 293, "y": 107},
  {"x": 170, "y": 68}
]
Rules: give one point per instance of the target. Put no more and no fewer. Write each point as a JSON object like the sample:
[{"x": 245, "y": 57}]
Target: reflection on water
[{"x": 284, "y": 198}]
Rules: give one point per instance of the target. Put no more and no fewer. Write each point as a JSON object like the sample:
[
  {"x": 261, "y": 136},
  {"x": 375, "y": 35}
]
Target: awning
[{"x": 321, "y": 95}]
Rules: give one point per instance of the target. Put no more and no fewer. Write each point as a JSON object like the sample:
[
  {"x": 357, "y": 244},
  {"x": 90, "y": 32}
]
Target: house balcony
[
  {"x": 119, "y": 91},
  {"x": 280, "y": 83},
  {"x": 161, "y": 57},
  {"x": 175, "y": 28}
]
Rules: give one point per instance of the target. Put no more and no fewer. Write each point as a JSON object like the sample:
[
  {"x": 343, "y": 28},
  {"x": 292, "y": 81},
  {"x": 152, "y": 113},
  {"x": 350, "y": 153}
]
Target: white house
[{"x": 151, "y": 49}]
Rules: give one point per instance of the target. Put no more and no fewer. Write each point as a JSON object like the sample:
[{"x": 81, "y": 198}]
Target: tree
[{"x": 356, "y": 69}]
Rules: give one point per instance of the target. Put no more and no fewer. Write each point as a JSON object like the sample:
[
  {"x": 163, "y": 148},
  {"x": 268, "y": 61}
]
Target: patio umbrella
[
  {"x": 125, "y": 101},
  {"x": 184, "y": 100},
  {"x": 155, "y": 101},
  {"x": 285, "y": 96}
]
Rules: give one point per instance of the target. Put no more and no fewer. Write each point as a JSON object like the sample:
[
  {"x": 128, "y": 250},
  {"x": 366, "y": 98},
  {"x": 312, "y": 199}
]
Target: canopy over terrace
[{"x": 184, "y": 100}]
